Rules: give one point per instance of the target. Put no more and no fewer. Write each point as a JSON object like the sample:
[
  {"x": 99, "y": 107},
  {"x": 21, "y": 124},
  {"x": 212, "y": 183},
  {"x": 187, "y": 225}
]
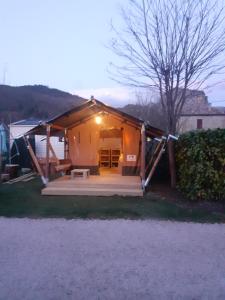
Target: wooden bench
[
  {"x": 62, "y": 168},
  {"x": 81, "y": 173},
  {"x": 55, "y": 165}
]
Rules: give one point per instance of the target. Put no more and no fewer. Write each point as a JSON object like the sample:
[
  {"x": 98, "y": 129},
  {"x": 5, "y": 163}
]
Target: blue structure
[{"x": 4, "y": 145}]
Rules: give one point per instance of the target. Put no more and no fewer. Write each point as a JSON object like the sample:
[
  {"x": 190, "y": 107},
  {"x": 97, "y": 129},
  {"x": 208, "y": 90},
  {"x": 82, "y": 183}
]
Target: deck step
[
  {"x": 79, "y": 184},
  {"x": 92, "y": 191}
]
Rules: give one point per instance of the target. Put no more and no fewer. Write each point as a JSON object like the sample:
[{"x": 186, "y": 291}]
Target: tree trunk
[{"x": 172, "y": 166}]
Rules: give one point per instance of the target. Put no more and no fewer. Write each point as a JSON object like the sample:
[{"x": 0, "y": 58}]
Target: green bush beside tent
[{"x": 200, "y": 160}]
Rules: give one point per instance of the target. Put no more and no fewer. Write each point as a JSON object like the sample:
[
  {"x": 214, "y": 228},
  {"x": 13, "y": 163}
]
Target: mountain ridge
[{"x": 34, "y": 101}]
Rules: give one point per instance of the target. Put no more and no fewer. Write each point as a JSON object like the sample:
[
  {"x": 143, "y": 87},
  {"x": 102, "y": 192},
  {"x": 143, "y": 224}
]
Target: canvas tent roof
[
  {"x": 27, "y": 122},
  {"x": 85, "y": 112}
]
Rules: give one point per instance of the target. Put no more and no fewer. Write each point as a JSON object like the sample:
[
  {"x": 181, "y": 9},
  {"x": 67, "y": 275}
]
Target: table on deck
[{"x": 81, "y": 173}]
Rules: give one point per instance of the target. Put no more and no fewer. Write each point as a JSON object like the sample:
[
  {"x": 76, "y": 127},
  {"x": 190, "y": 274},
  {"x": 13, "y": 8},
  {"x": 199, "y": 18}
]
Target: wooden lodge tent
[{"x": 99, "y": 138}]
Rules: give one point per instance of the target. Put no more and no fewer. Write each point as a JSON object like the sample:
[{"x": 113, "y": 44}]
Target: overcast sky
[{"x": 62, "y": 44}]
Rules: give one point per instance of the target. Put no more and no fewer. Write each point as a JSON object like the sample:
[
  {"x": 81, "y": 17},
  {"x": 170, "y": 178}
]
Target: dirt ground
[
  {"x": 117, "y": 259},
  {"x": 164, "y": 190}
]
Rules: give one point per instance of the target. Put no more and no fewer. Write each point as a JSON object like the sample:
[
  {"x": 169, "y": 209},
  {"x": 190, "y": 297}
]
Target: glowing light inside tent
[{"x": 98, "y": 120}]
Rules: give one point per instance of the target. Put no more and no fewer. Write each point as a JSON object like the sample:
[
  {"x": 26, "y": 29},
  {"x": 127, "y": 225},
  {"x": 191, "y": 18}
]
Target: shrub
[{"x": 200, "y": 159}]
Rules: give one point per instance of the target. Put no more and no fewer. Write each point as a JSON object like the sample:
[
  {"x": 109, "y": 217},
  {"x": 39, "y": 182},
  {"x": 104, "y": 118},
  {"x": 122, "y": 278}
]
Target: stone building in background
[{"x": 198, "y": 113}]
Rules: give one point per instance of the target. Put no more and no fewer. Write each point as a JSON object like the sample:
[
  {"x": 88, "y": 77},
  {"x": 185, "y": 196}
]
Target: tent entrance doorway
[{"x": 110, "y": 151}]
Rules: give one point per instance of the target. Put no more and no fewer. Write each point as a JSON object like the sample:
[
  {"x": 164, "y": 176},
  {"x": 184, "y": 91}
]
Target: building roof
[
  {"x": 203, "y": 115},
  {"x": 85, "y": 112},
  {"x": 27, "y": 122},
  {"x": 204, "y": 111}
]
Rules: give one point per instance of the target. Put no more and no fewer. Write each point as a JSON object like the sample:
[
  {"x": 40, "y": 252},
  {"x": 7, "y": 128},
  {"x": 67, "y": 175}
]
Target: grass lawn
[{"x": 23, "y": 199}]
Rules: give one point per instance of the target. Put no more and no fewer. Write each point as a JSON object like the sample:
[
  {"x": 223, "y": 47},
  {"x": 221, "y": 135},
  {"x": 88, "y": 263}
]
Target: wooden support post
[
  {"x": 48, "y": 128},
  {"x": 122, "y": 147},
  {"x": 143, "y": 141},
  {"x": 66, "y": 144},
  {"x": 122, "y": 140},
  {"x": 34, "y": 158}
]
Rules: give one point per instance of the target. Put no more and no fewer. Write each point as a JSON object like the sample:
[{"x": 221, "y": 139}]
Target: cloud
[
  {"x": 120, "y": 96},
  {"x": 117, "y": 96}
]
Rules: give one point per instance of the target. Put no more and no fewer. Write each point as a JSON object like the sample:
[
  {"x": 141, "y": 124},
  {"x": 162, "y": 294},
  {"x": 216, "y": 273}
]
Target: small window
[{"x": 199, "y": 123}]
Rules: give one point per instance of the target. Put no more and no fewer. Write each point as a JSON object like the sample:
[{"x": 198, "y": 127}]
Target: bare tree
[
  {"x": 149, "y": 109},
  {"x": 170, "y": 45}
]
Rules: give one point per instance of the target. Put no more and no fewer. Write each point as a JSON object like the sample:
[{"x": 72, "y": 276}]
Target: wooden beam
[
  {"x": 53, "y": 153},
  {"x": 155, "y": 164},
  {"x": 154, "y": 154},
  {"x": 143, "y": 141},
  {"x": 34, "y": 158},
  {"x": 48, "y": 129},
  {"x": 55, "y": 126}
]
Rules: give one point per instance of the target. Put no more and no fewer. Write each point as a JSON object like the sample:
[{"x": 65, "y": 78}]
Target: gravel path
[{"x": 119, "y": 259}]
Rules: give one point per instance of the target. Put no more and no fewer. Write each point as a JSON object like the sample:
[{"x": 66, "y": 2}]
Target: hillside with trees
[
  {"x": 42, "y": 102},
  {"x": 149, "y": 112},
  {"x": 34, "y": 101}
]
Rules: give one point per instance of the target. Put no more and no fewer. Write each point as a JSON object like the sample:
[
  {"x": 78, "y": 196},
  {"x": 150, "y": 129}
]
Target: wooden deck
[{"x": 103, "y": 185}]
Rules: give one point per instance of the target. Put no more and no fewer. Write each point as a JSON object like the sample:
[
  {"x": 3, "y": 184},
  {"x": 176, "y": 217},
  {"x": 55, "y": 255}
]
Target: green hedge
[{"x": 200, "y": 161}]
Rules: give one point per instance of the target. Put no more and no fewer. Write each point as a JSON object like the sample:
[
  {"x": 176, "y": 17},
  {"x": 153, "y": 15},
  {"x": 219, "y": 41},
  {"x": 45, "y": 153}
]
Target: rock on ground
[{"x": 117, "y": 259}]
